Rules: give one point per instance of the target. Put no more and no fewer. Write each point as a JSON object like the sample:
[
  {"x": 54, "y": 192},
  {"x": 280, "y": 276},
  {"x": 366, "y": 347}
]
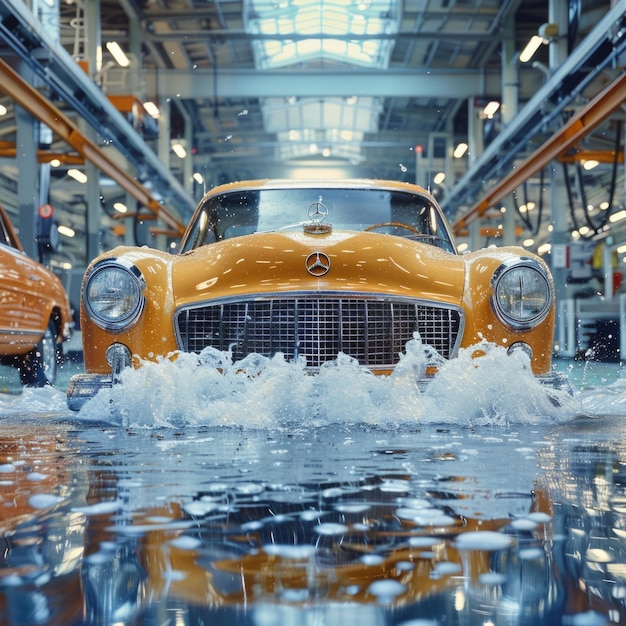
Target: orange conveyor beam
[
  {"x": 42, "y": 109},
  {"x": 581, "y": 124}
]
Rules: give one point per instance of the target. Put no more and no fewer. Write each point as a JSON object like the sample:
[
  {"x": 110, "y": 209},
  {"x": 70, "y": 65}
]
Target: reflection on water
[{"x": 375, "y": 511}]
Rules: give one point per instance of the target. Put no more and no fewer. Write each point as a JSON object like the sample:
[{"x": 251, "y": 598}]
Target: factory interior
[{"x": 116, "y": 117}]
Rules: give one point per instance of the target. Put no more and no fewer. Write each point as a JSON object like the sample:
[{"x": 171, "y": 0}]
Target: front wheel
[{"x": 38, "y": 367}]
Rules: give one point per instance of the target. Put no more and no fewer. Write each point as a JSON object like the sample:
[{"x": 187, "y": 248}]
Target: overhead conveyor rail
[
  {"x": 595, "y": 54},
  {"x": 54, "y": 66},
  {"x": 42, "y": 109},
  {"x": 580, "y": 125}
]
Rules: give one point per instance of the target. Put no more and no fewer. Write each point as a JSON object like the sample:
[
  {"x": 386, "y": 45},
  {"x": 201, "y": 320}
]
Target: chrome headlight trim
[
  {"x": 113, "y": 294},
  {"x": 523, "y": 293}
]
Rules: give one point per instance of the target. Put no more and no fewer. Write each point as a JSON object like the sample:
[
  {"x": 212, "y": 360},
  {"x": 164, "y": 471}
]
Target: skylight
[
  {"x": 339, "y": 30},
  {"x": 349, "y": 32}
]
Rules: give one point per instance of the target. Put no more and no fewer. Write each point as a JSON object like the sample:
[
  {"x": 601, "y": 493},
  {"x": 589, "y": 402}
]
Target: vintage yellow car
[
  {"x": 35, "y": 316},
  {"x": 311, "y": 269}
]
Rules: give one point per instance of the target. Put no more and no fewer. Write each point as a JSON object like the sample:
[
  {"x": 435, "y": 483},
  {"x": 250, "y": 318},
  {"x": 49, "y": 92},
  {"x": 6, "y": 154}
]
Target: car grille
[{"x": 370, "y": 330}]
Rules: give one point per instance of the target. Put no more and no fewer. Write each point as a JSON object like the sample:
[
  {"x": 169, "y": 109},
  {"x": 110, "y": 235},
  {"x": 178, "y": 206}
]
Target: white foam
[{"x": 209, "y": 389}]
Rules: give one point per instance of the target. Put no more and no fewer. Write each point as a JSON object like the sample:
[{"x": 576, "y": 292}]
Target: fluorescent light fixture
[
  {"x": 616, "y": 217},
  {"x": 491, "y": 108},
  {"x": 77, "y": 175},
  {"x": 621, "y": 249},
  {"x": 544, "y": 248},
  {"x": 531, "y": 47},
  {"x": 152, "y": 109},
  {"x": 528, "y": 242},
  {"x": 439, "y": 178},
  {"x": 55, "y": 163},
  {"x": 589, "y": 164},
  {"x": 179, "y": 150},
  {"x": 120, "y": 207},
  {"x": 66, "y": 231},
  {"x": 462, "y": 247},
  {"x": 583, "y": 230},
  {"x": 118, "y": 54},
  {"x": 460, "y": 150},
  {"x": 3, "y": 110},
  {"x": 198, "y": 178},
  {"x": 604, "y": 205}
]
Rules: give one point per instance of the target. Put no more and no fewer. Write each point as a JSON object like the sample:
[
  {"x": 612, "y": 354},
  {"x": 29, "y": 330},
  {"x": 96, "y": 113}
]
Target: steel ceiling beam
[
  {"x": 384, "y": 83},
  {"x": 42, "y": 109}
]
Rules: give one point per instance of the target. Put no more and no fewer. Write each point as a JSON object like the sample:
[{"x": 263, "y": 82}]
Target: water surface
[{"x": 188, "y": 496}]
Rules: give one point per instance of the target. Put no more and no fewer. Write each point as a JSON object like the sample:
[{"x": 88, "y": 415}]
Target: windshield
[{"x": 245, "y": 212}]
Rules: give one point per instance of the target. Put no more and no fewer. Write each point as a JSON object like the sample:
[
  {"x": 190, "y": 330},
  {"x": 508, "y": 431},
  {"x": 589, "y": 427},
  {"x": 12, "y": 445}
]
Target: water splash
[{"x": 209, "y": 389}]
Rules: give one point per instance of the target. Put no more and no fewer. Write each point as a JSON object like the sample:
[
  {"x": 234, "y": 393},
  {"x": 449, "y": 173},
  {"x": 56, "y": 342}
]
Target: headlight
[
  {"x": 522, "y": 293},
  {"x": 113, "y": 294}
]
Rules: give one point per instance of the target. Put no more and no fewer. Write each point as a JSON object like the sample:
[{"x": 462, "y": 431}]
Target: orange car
[
  {"x": 35, "y": 316},
  {"x": 310, "y": 269}
]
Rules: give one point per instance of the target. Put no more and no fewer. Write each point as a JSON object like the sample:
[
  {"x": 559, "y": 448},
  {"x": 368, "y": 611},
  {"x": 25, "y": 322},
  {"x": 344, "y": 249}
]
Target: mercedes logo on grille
[{"x": 317, "y": 264}]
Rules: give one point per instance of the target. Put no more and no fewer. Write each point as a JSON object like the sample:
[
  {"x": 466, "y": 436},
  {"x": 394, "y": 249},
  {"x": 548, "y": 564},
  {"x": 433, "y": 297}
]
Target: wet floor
[{"x": 187, "y": 499}]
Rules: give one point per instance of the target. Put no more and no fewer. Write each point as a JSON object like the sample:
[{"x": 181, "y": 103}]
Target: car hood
[{"x": 358, "y": 261}]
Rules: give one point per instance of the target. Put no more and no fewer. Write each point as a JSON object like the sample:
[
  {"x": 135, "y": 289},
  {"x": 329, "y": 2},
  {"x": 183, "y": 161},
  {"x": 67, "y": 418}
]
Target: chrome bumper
[{"x": 83, "y": 387}]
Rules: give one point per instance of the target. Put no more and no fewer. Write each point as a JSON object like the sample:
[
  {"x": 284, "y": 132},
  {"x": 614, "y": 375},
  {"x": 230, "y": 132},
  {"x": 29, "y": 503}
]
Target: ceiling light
[
  {"x": 528, "y": 243},
  {"x": 460, "y": 150},
  {"x": 55, "y": 162},
  {"x": 179, "y": 150},
  {"x": 544, "y": 248},
  {"x": 439, "y": 178},
  {"x": 462, "y": 247},
  {"x": 120, "y": 207},
  {"x": 152, "y": 109},
  {"x": 531, "y": 47},
  {"x": 621, "y": 249},
  {"x": 77, "y": 175},
  {"x": 491, "y": 108},
  {"x": 616, "y": 217},
  {"x": 198, "y": 178},
  {"x": 589, "y": 164},
  {"x": 583, "y": 230},
  {"x": 118, "y": 54},
  {"x": 67, "y": 231},
  {"x": 3, "y": 110},
  {"x": 604, "y": 205}
]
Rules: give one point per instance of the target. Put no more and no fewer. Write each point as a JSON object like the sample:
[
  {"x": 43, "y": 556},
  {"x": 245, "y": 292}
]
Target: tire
[{"x": 39, "y": 367}]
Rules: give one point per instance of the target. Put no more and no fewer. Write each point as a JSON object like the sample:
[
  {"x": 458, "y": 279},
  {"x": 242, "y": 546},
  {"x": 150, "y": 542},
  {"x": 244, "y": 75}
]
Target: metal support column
[{"x": 27, "y": 184}]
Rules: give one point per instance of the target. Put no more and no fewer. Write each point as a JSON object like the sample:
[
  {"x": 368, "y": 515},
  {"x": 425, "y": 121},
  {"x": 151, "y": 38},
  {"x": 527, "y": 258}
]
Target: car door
[{"x": 22, "y": 286}]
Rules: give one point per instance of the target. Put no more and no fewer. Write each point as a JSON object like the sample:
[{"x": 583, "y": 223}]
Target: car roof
[{"x": 328, "y": 183}]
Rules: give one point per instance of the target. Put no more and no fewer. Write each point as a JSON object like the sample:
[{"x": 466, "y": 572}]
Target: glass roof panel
[{"x": 339, "y": 30}]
